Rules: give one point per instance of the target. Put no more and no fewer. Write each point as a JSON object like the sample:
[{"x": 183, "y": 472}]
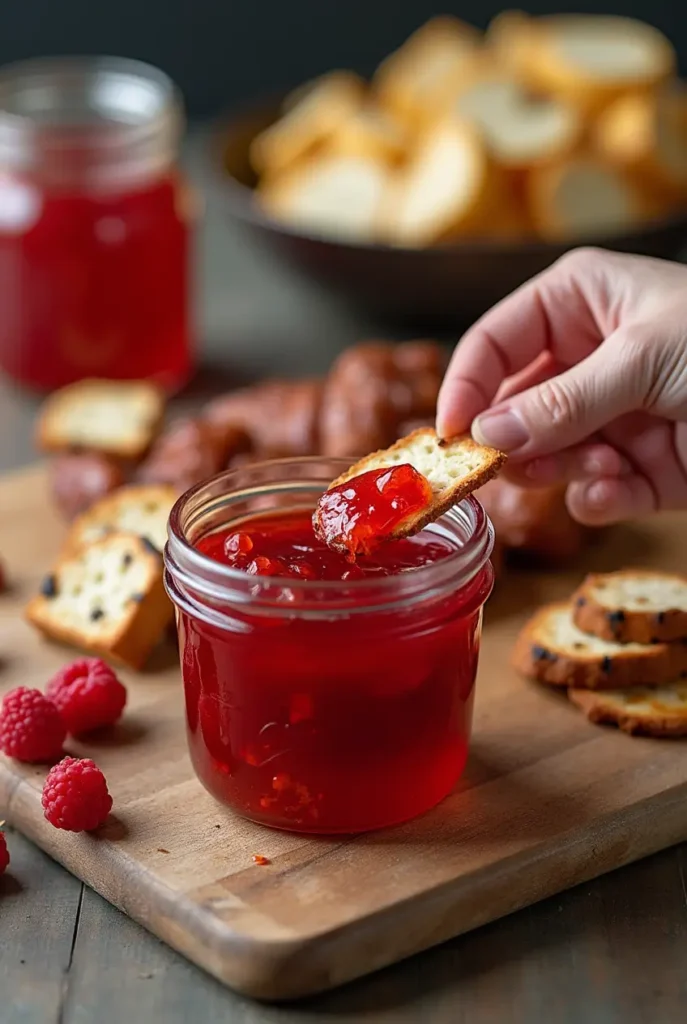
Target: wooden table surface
[{"x": 613, "y": 951}]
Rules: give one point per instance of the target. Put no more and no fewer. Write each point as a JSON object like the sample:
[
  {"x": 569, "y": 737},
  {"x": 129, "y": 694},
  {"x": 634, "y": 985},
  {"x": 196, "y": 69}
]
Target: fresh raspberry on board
[
  {"x": 75, "y": 795},
  {"x": 4, "y": 853},
  {"x": 87, "y": 694},
  {"x": 31, "y": 727}
]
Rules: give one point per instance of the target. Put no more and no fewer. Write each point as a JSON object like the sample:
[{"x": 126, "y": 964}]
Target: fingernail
[
  {"x": 444, "y": 427},
  {"x": 459, "y": 403},
  {"x": 591, "y": 464},
  {"x": 500, "y": 428},
  {"x": 604, "y": 463},
  {"x": 598, "y": 494}
]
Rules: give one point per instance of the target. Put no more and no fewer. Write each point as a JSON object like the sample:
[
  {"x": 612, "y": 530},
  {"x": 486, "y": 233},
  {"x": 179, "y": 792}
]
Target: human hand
[{"x": 581, "y": 375}]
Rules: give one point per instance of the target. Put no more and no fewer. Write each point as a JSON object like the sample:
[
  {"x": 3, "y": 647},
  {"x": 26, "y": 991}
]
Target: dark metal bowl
[{"x": 442, "y": 287}]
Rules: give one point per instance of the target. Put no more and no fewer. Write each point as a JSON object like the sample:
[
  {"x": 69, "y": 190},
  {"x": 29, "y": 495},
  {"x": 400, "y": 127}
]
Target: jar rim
[
  {"x": 188, "y": 569},
  {"x": 113, "y": 108}
]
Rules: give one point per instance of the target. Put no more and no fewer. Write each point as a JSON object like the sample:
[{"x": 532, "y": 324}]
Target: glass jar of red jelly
[
  {"x": 94, "y": 224},
  {"x": 332, "y": 698}
]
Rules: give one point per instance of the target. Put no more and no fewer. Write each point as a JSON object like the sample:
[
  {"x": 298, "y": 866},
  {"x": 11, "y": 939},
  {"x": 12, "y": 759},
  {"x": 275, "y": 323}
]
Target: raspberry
[
  {"x": 4, "y": 855},
  {"x": 75, "y": 795},
  {"x": 31, "y": 727},
  {"x": 87, "y": 694}
]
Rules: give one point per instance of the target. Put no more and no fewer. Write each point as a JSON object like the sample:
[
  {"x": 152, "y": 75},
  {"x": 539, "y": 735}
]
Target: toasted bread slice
[
  {"x": 107, "y": 598},
  {"x": 657, "y": 711},
  {"x": 443, "y": 190},
  {"x": 370, "y": 133},
  {"x": 502, "y": 214},
  {"x": 646, "y": 134},
  {"x": 519, "y": 129},
  {"x": 552, "y": 649},
  {"x": 508, "y": 40},
  {"x": 582, "y": 198},
  {"x": 118, "y": 418},
  {"x": 592, "y": 60},
  {"x": 311, "y": 115},
  {"x": 329, "y": 195},
  {"x": 454, "y": 469},
  {"x": 634, "y": 605},
  {"x": 418, "y": 77},
  {"x": 142, "y": 509}
]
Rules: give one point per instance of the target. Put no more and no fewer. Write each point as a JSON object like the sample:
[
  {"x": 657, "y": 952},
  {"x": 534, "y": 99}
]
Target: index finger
[{"x": 551, "y": 313}]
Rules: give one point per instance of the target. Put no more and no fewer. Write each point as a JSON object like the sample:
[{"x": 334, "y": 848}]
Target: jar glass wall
[{"x": 324, "y": 706}]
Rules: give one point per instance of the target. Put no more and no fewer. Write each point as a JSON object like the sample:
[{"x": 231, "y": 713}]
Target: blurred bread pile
[{"x": 559, "y": 128}]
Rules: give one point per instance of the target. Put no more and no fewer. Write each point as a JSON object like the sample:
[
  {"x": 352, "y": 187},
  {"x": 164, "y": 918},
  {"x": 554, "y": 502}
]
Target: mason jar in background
[{"x": 95, "y": 223}]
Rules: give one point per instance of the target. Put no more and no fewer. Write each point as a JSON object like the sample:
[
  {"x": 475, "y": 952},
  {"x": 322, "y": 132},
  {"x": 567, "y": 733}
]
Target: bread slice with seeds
[
  {"x": 142, "y": 509},
  {"x": 119, "y": 418},
  {"x": 656, "y": 711},
  {"x": 454, "y": 468},
  {"x": 552, "y": 649},
  {"x": 107, "y": 598},
  {"x": 640, "y": 605}
]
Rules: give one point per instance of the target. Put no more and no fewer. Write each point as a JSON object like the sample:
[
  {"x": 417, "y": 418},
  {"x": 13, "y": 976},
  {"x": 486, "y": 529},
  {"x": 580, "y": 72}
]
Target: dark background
[{"x": 224, "y": 51}]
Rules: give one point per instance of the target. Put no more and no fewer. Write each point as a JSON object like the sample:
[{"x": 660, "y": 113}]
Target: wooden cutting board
[{"x": 547, "y": 801}]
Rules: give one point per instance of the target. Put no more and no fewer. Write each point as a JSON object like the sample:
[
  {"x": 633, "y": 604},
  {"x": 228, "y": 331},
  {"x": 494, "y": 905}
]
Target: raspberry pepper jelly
[
  {"x": 94, "y": 224},
  {"x": 323, "y": 696},
  {"x": 355, "y": 517}
]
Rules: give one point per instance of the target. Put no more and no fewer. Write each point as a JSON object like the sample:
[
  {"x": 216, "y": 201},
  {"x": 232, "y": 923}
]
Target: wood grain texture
[
  {"x": 547, "y": 801},
  {"x": 613, "y": 951},
  {"x": 39, "y": 915}
]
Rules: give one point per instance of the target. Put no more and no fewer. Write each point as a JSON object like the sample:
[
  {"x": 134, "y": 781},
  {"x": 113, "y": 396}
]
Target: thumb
[{"x": 567, "y": 408}]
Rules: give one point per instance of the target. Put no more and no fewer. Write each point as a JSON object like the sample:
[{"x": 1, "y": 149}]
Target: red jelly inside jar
[
  {"x": 323, "y": 696},
  {"x": 95, "y": 224}
]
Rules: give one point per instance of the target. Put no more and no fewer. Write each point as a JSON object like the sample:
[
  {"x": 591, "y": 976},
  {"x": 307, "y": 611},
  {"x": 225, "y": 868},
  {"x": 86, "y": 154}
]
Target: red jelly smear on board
[
  {"x": 358, "y": 515},
  {"x": 334, "y": 723},
  {"x": 95, "y": 285}
]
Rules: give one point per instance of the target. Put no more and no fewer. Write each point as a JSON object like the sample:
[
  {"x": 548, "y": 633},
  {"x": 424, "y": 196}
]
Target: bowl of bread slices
[{"x": 469, "y": 162}]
